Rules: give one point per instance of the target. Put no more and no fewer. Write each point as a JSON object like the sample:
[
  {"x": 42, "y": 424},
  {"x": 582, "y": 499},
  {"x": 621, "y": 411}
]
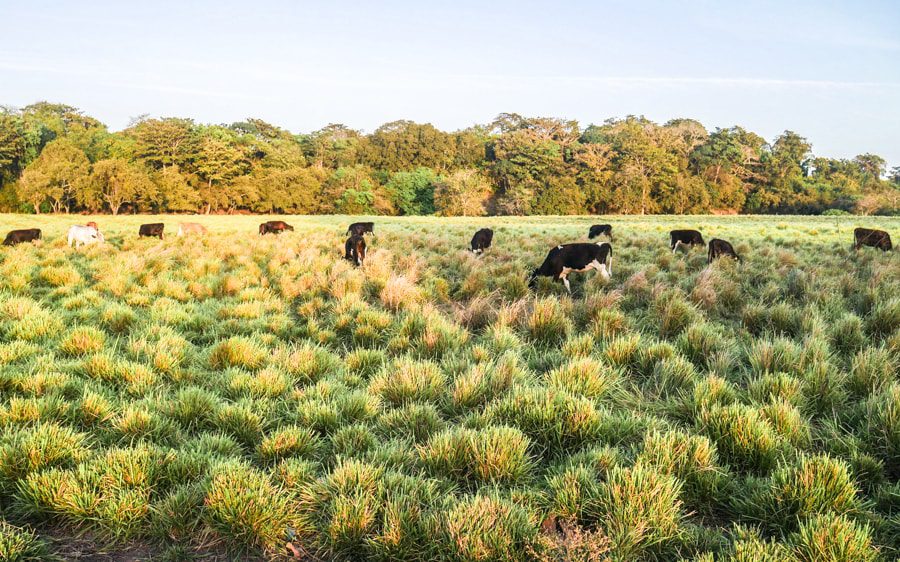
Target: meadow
[{"x": 225, "y": 396}]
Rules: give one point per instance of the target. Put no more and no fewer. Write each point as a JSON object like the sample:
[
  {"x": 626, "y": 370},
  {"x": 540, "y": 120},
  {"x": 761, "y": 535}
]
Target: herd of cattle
[{"x": 559, "y": 263}]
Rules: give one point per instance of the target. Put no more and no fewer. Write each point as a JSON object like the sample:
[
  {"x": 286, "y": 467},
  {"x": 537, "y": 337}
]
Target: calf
[
  {"x": 875, "y": 238},
  {"x": 83, "y": 235},
  {"x": 355, "y": 249},
  {"x": 191, "y": 228},
  {"x": 19, "y": 236},
  {"x": 274, "y": 227},
  {"x": 600, "y": 230},
  {"x": 719, "y": 248},
  {"x": 361, "y": 228},
  {"x": 482, "y": 240},
  {"x": 563, "y": 260},
  {"x": 686, "y": 237},
  {"x": 152, "y": 229}
]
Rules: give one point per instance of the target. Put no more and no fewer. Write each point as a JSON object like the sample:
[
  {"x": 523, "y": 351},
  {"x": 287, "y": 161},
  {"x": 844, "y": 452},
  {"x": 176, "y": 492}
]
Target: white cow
[{"x": 82, "y": 235}]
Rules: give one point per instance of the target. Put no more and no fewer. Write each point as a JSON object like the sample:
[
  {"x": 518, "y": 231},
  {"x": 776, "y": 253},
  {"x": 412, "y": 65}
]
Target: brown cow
[
  {"x": 355, "y": 249},
  {"x": 152, "y": 229},
  {"x": 874, "y": 238},
  {"x": 20, "y": 236},
  {"x": 274, "y": 227}
]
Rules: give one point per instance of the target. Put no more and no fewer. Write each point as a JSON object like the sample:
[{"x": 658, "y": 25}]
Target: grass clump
[
  {"x": 237, "y": 352},
  {"x": 584, "y": 377},
  {"x": 82, "y": 341},
  {"x": 835, "y": 538},
  {"x": 493, "y": 455},
  {"x": 746, "y": 440},
  {"x": 407, "y": 380},
  {"x": 486, "y": 527},
  {"x": 21, "y": 545}
]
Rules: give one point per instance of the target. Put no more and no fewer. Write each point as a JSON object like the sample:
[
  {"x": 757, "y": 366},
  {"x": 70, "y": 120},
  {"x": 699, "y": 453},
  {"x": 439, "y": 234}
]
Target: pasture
[{"x": 228, "y": 394}]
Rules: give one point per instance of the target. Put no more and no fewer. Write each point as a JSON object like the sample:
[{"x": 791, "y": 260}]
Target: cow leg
[
  {"x": 675, "y": 246},
  {"x": 565, "y": 281}
]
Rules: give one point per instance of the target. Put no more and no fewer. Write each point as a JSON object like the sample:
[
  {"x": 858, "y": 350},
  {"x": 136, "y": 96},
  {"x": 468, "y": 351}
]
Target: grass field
[{"x": 233, "y": 393}]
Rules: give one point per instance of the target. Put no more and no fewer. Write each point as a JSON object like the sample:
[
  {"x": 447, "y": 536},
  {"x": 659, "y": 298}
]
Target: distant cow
[
  {"x": 92, "y": 223},
  {"x": 19, "y": 236},
  {"x": 600, "y": 230},
  {"x": 361, "y": 228},
  {"x": 563, "y": 260},
  {"x": 83, "y": 235},
  {"x": 152, "y": 229},
  {"x": 482, "y": 240},
  {"x": 874, "y": 238},
  {"x": 719, "y": 248},
  {"x": 274, "y": 227},
  {"x": 355, "y": 249},
  {"x": 191, "y": 228},
  {"x": 686, "y": 237}
]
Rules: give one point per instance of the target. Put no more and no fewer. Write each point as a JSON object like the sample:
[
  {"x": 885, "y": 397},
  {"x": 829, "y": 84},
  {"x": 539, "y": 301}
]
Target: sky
[{"x": 828, "y": 70}]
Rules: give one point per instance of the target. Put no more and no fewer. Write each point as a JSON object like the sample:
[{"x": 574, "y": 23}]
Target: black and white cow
[
  {"x": 355, "y": 249},
  {"x": 20, "y": 236},
  {"x": 600, "y": 230},
  {"x": 874, "y": 238},
  {"x": 567, "y": 258},
  {"x": 719, "y": 248},
  {"x": 482, "y": 240},
  {"x": 686, "y": 237}
]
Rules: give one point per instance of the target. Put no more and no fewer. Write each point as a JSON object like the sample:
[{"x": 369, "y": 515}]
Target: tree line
[{"x": 54, "y": 158}]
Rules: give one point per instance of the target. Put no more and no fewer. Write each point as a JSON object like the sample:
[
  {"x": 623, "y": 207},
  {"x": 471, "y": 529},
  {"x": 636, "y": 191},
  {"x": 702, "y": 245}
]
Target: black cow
[
  {"x": 361, "y": 228},
  {"x": 686, "y": 237},
  {"x": 152, "y": 229},
  {"x": 582, "y": 256},
  {"x": 874, "y": 238},
  {"x": 19, "y": 236},
  {"x": 274, "y": 227},
  {"x": 600, "y": 230},
  {"x": 355, "y": 249},
  {"x": 482, "y": 240},
  {"x": 719, "y": 248}
]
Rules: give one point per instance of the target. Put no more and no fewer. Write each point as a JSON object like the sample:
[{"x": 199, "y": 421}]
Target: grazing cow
[
  {"x": 582, "y": 256},
  {"x": 361, "y": 228},
  {"x": 92, "y": 223},
  {"x": 19, "y": 236},
  {"x": 875, "y": 238},
  {"x": 482, "y": 240},
  {"x": 274, "y": 227},
  {"x": 191, "y": 228},
  {"x": 152, "y": 229},
  {"x": 686, "y": 237},
  {"x": 719, "y": 248},
  {"x": 83, "y": 235},
  {"x": 355, "y": 249},
  {"x": 600, "y": 230}
]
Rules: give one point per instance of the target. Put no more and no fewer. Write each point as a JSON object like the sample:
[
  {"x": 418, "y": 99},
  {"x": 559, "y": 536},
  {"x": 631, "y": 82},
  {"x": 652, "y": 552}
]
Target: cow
[
  {"x": 482, "y": 240},
  {"x": 361, "y": 228},
  {"x": 874, "y": 238},
  {"x": 355, "y": 249},
  {"x": 274, "y": 227},
  {"x": 82, "y": 235},
  {"x": 719, "y": 248},
  {"x": 600, "y": 230},
  {"x": 686, "y": 237},
  {"x": 93, "y": 224},
  {"x": 152, "y": 229},
  {"x": 19, "y": 236},
  {"x": 581, "y": 256},
  {"x": 191, "y": 228}
]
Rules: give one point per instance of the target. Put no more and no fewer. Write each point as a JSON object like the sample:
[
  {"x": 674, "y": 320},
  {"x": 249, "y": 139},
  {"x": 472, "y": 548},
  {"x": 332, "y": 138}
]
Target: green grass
[{"x": 237, "y": 392}]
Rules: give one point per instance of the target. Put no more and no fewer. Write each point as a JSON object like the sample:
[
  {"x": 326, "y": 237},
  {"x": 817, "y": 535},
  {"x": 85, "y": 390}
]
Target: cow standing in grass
[
  {"x": 567, "y": 258},
  {"x": 21, "y": 236},
  {"x": 719, "y": 248},
  {"x": 482, "y": 240},
  {"x": 274, "y": 227},
  {"x": 355, "y": 249},
  {"x": 685, "y": 237},
  {"x": 186, "y": 228},
  {"x": 874, "y": 238},
  {"x": 83, "y": 235},
  {"x": 151, "y": 230},
  {"x": 600, "y": 230},
  {"x": 361, "y": 228}
]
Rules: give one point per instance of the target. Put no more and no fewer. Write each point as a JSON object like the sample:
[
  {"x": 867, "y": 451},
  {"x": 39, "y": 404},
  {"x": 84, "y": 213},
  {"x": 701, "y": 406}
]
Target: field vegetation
[{"x": 232, "y": 393}]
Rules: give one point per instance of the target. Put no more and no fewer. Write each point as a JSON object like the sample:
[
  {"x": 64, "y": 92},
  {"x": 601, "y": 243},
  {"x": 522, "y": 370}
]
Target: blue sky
[{"x": 828, "y": 70}]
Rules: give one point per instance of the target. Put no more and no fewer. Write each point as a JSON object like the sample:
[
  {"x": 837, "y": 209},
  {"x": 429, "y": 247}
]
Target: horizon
[{"x": 828, "y": 73}]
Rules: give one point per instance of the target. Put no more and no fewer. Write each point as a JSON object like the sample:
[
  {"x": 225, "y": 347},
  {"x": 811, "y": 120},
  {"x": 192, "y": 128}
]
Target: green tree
[
  {"x": 462, "y": 193},
  {"x": 176, "y": 192},
  {"x": 54, "y": 174},
  {"x": 115, "y": 182},
  {"x": 217, "y": 162},
  {"x": 412, "y": 193}
]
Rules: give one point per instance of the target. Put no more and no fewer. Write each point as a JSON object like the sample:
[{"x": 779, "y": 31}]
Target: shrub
[
  {"x": 835, "y": 538},
  {"x": 245, "y": 508},
  {"x": 639, "y": 510},
  {"x": 745, "y": 439},
  {"x": 486, "y": 527}
]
